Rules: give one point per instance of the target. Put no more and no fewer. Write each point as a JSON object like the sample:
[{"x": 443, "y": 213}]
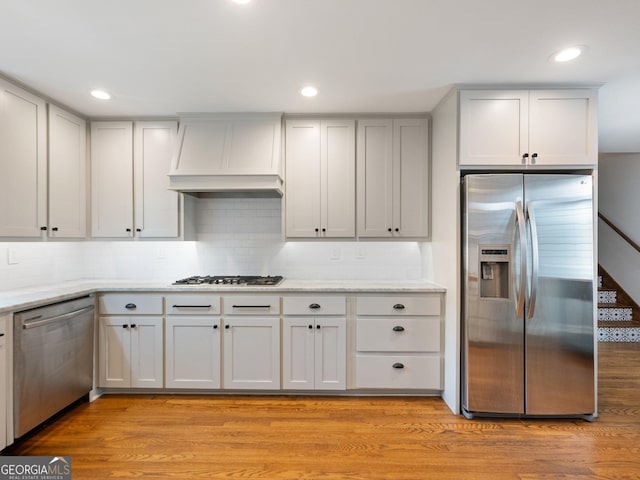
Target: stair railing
[{"x": 619, "y": 232}]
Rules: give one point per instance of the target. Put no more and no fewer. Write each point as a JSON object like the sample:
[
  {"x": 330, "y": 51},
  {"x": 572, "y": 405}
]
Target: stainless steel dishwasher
[{"x": 52, "y": 358}]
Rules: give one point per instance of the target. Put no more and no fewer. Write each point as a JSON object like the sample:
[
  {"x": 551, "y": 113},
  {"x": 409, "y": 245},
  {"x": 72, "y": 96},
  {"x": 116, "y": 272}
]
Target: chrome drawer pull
[
  {"x": 251, "y": 306},
  {"x": 130, "y": 306},
  {"x": 398, "y": 306},
  {"x": 398, "y": 365},
  {"x": 191, "y": 306},
  {"x": 398, "y": 328}
]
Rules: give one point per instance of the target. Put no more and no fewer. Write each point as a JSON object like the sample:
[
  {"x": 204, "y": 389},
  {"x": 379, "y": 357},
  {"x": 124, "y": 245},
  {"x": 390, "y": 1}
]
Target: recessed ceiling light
[
  {"x": 100, "y": 94},
  {"x": 309, "y": 91},
  {"x": 241, "y": 2},
  {"x": 568, "y": 54}
]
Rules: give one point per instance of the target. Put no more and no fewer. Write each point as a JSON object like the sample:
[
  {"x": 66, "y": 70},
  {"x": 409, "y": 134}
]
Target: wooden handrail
[{"x": 619, "y": 232}]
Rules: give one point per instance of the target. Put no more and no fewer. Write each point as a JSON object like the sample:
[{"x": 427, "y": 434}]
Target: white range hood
[{"x": 228, "y": 153}]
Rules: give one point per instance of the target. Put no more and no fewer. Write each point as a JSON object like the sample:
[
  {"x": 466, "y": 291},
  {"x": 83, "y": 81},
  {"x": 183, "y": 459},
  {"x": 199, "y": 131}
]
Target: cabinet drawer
[
  {"x": 315, "y": 305},
  {"x": 378, "y": 371},
  {"x": 130, "y": 304},
  {"x": 398, "y": 334},
  {"x": 399, "y": 305},
  {"x": 251, "y": 305},
  {"x": 192, "y": 304}
]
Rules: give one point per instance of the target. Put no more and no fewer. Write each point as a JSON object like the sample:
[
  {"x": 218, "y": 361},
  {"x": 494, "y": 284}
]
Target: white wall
[
  {"x": 619, "y": 197},
  {"x": 235, "y": 236}
]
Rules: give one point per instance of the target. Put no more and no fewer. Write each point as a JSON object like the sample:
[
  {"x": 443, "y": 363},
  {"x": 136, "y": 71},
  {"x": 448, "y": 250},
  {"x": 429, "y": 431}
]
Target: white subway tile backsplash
[{"x": 235, "y": 236}]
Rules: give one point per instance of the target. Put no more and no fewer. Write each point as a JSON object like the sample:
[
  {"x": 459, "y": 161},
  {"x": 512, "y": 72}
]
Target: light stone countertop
[{"x": 30, "y": 297}]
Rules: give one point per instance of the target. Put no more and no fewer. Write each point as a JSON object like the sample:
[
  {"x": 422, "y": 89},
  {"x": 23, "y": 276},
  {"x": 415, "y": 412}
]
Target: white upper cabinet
[
  {"x": 227, "y": 152},
  {"x": 156, "y": 207},
  {"x": 67, "y": 175},
  {"x": 393, "y": 178},
  {"x": 320, "y": 178},
  {"x": 528, "y": 128},
  {"x": 112, "y": 179},
  {"x": 131, "y": 171},
  {"x": 23, "y": 165}
]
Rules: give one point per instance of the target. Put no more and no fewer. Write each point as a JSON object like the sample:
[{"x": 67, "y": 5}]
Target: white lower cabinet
[
  {"x": 4, "y": 390},
  {"x": 131, "y": 352},
  {"x": 398, "y": 342},
  {"x": 130, "y": 341},
  {"x": 192, "y": 341},
  {"x": 314, "y": 349},
  {"x": 251, "y": 342}
]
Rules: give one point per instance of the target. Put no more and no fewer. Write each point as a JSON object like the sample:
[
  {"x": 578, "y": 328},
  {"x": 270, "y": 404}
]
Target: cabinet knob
[
  {"x": 128, "y": 229},
  {"x": 310, "y": 326},
  {"x": 397, "y": 229},
  {"x": 398, "y": 328},
  {"x": 44, "y": 229},
  {"x": 390, "y": 229},
  {"x": 534, "y": 156},
  {"x": 317, "y": 230},
  {"x": 138, "y": 229},
  {"x": 524, "y": 157},
  {"x": 125, "y": 326},
  {"x": 227, "y": 327},
  {"x": 324, "y": 229},
  {"x": 398, "y": 306},
  {"x": 215, "y": 327},
  {"x": 55, "y": 229},
  {"x": 315, "y": 306},
  {"x": 398, "y": 365},
  {"x": 130, "y": 306},
  {"x": 318, "y": 327},
  {"x": 1, "y": 334},
  {"x": 133, "y": 325}
]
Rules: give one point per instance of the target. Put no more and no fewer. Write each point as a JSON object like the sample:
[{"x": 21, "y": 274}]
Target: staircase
[{"x": 618, "y": 314}]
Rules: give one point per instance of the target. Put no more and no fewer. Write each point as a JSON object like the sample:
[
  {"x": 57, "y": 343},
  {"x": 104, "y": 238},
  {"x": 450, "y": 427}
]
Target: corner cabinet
[
  {"x": 393, "y": 178},
  {"x": 23, "y": 165},
  {"x": 129, "y": 169},
  {"x": 528, "y": 128},
  {"x": 320, "y": 178},
  {"x": 314, "y": 345}
]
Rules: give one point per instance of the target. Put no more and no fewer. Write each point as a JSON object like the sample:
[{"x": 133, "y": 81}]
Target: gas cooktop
[{"x": 231, "y": 280}]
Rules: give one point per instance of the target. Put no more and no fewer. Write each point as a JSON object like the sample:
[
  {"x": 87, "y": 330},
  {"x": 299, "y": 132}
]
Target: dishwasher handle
[{"x": 40, "y": 323}]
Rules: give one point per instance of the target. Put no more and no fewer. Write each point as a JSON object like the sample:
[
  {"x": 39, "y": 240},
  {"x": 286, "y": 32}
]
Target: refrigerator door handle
[
  {"x": 535, "y": 260},
  {"x": 522, "y": 285}
]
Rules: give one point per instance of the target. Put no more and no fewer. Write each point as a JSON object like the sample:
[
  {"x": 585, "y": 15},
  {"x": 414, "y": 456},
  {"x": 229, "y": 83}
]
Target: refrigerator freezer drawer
[{"x": 399, "y": 371}]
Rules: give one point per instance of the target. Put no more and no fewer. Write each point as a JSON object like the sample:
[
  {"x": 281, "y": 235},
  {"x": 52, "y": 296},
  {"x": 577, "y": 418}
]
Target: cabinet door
[
  {"x": 192, "y": 356},
  {"x": 23, "y": 165},
  {"x": 330, "y": 353},
  {"x": 252, "y": 353},
  {"x": 563, "y": 127},
  {"x": 112, "y": 179},
  {"x": 375, "y": 177},
  {"x": 338, "y": 178},
  {"x": 146, "y": 352},
  {"x": 494, "y": 127},
  {"x": 114, "y": 352},
  {"x": 298, "y": 360},
  {"x": 67, "y": 174},
  {"x": 156, "y": 207},
  {"x": 302, "y": 178},
  {"x": 410, "y": 177}
]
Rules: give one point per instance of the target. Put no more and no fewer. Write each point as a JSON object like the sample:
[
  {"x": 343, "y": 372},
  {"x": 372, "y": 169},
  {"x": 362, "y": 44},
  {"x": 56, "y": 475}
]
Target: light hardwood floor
[{"x": 262, "y": 437}]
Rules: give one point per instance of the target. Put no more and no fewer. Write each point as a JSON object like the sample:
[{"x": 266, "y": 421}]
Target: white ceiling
[{"x": 161, "y": 57}]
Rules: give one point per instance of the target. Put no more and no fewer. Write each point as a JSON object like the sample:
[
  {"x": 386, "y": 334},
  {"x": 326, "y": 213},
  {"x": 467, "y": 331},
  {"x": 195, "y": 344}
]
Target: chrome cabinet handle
[{"x": 191, "y": 306}]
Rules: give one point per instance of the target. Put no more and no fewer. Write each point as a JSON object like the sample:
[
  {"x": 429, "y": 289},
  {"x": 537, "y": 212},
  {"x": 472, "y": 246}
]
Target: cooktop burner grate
[{"x": 231, "y": 280}]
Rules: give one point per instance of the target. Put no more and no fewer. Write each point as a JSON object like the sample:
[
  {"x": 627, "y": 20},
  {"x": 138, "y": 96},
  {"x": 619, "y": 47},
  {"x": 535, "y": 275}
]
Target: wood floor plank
[{"x": 367, "y": 438}]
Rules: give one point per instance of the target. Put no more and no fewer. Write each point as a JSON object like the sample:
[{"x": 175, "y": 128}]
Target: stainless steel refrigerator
[{"x": 528, "y": 311}]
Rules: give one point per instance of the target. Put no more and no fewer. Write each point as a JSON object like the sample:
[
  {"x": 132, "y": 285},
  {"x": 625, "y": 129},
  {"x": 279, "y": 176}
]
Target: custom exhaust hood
[{"x": 228, "y": 154}]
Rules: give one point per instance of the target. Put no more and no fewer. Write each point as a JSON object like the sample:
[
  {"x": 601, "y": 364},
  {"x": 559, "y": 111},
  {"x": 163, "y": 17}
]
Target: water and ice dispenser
[{"x": 494, "y": 271}]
